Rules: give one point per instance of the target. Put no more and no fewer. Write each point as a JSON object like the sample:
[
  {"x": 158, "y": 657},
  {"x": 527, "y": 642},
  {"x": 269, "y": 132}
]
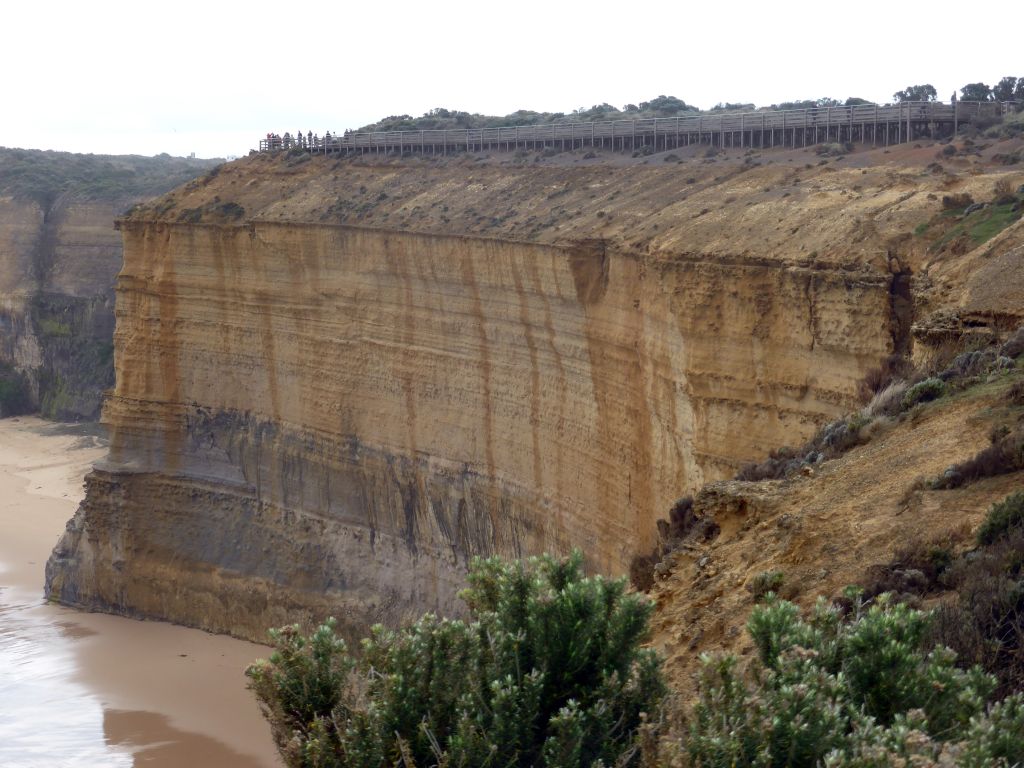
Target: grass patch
[{"x": 982, "y": 225}]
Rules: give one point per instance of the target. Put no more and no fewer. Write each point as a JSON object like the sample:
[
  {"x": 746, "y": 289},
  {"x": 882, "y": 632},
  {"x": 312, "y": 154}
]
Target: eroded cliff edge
[{"x": 339, "y": 380}]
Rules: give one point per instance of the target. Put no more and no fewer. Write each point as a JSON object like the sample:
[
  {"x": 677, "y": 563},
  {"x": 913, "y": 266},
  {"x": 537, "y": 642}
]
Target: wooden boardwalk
[{"x": 866, "y": 123}]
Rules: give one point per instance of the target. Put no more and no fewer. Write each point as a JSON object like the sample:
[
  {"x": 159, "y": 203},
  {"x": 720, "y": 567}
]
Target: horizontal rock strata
[{"x": 316, "y": 418}]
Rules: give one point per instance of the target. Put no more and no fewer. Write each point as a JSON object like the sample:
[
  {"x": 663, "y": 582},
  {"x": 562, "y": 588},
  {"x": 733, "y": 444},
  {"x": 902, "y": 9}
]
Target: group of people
[{"x": 309, "y": 140}]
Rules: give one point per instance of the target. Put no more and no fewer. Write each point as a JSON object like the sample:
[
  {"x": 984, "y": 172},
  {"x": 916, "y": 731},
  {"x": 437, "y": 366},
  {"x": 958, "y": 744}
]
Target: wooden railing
[{"x": 867, "y": 122}]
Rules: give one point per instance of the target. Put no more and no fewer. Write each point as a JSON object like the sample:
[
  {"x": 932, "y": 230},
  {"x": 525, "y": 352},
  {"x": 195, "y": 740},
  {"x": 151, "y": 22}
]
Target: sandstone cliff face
[
  {"x": 59, "y": 254},
  {"x": 312, "y": 417},
  {"x": 337, "y": 381},
  {"x": 19, "y": 228},
  {"x": 57, "y": 265}
]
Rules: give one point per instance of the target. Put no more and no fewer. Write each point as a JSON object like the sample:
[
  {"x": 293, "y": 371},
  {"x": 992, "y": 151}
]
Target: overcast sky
[{"x": 213, "y": 77}]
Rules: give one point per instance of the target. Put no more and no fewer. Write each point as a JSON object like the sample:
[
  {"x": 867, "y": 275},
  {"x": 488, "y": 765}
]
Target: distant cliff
[
  {"x": 337, "y": 380},
  {"x": 59, "y": 255}
]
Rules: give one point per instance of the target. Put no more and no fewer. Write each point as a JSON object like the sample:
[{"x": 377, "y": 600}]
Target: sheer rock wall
[{"x": 312, "y": 418}]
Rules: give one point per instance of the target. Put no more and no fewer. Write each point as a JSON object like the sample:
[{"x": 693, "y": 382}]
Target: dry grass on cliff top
[
  {"x": 824, "y": 531},
  {"x": 782, "y": 205}
]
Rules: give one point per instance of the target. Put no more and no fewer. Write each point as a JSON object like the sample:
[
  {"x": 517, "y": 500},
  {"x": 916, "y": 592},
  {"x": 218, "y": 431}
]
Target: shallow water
[{"x": 81, "y": 689}]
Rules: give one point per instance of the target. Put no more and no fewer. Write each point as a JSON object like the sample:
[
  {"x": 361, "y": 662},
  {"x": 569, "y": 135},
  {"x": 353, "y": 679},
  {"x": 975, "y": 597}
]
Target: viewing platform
[{"x": 865, "y": 123}]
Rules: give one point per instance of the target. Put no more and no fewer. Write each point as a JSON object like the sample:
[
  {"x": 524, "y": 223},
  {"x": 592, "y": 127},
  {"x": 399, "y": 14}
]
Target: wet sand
[{"x": 86, "y": 689}]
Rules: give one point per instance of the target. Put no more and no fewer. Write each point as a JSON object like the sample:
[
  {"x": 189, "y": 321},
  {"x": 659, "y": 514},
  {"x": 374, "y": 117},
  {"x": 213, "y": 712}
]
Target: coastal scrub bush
[
  {"x": 957, "y": 201},
  {"x": 1001, "y": 518},
  {"x": 1004, "y": 455},
  {"x": 986, "y": 624},
  {"x": 831, "y": 440},
  {"x": 1013, "y": 347},
  {"x": 918, "y": 566},
  {"x": 766, "y": 583},
  {"x": 641, "y": 570},
  {"x": 547, "y": 671},
  {"x": 923, "y": 392},
  {"x": 998, "y": 739},
  {"x": 862, "y": 689},
  {"x": 887, "y": 401},
  {"x": 892, "y": 368},
  {"x": 231, "y": 210},
  {"x": 1003, "y": 192},
  {"x": 1015, "y": 394}
]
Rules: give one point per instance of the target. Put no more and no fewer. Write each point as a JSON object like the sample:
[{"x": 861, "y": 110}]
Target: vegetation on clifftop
[
  {"x": 440, "y": 118},
  {"x": 43, "y": 175}
]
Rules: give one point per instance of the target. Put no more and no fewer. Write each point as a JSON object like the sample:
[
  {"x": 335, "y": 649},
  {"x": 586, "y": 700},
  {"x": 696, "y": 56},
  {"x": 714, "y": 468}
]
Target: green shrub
[
  {"x": 841, "y": 690},
  {"x": 1014, "y": 346},
  {"x": 917, "y": 567},
  {"x": 923, "y": 392},
  {"x": 957, "y": 201},
  {"x": 547, "y": 672},
  {"x": 985, "y": 625},
  {"x": 1001, "y": 518},
  {"x": 997, "y": 740},
  {"x": 765, "y": 583},
  {"x": 1005, "y": 455},
  {"x": 1015, "y": 394},
  {"x": 641, "y": 570},
  {"x": 232, "y": 210}
]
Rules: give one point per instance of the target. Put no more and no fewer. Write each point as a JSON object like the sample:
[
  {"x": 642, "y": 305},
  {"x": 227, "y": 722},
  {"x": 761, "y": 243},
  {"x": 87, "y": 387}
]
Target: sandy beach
[{"x": 86, "y": 689}]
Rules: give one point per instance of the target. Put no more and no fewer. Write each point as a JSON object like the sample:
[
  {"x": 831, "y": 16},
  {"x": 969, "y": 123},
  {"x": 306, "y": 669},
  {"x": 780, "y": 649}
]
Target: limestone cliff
[
  {"x": 59, "y": 255},
  {"x": 339, "y": 380}
]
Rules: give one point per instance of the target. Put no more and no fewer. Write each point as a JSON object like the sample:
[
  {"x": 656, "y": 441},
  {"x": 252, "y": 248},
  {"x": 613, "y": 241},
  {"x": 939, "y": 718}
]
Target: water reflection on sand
[
  {"x": 46, "y": 718},
  {"x": 79, "y": 689}
]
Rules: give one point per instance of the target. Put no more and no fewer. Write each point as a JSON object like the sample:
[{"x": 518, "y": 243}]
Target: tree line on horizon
[{"x": 1007, "y": 89}]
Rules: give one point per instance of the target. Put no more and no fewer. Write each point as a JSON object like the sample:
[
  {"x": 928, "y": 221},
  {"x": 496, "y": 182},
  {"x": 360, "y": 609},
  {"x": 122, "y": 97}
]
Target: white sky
[{"x": 213, "y": 77}]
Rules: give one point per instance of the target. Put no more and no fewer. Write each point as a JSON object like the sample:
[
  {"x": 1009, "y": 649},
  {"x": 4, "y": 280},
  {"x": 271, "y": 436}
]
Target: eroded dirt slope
[{"x": 823, "y": 531}]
